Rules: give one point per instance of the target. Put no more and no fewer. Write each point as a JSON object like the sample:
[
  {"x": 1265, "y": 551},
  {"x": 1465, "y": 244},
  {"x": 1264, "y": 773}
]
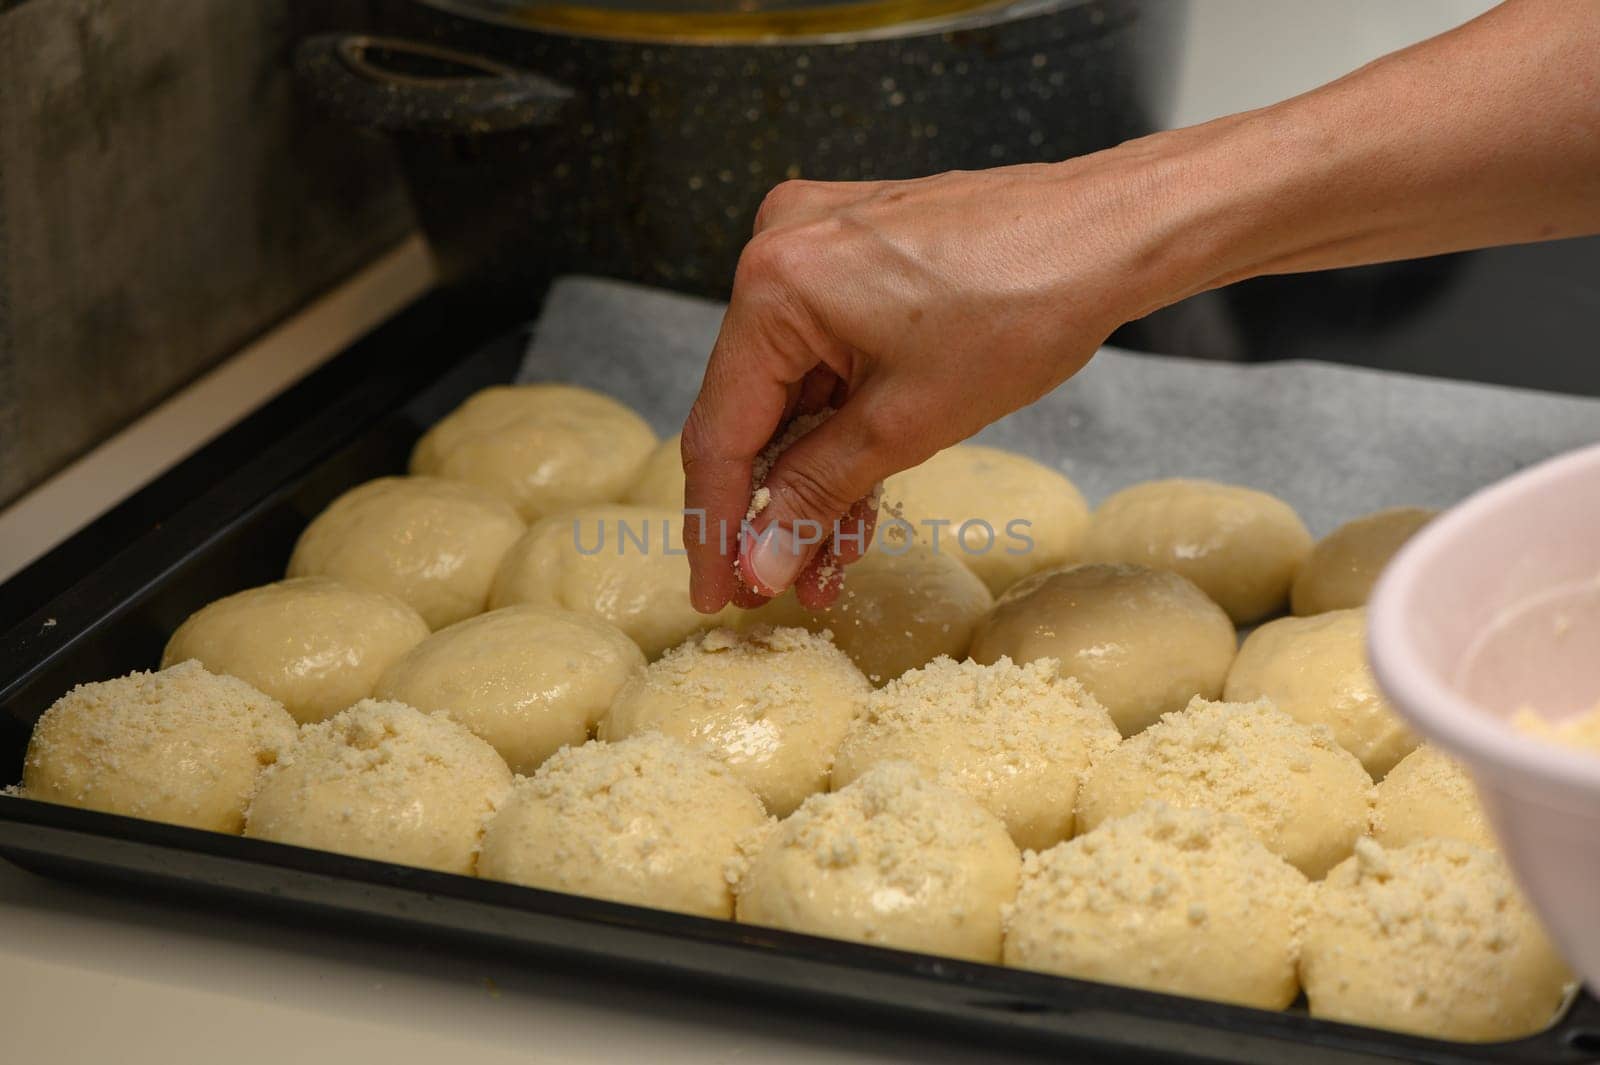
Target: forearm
[
  {"x": 934, "y": 306},
  {"x": 1487, "y": 135}
]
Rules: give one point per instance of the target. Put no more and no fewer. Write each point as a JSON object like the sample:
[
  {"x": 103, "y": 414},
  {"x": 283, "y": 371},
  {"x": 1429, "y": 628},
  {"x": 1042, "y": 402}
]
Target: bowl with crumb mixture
[{"x": 1483, "y": 632}]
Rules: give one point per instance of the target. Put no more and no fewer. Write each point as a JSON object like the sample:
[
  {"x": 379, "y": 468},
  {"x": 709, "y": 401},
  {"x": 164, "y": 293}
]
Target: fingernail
[{"x": 773, "y": 560}]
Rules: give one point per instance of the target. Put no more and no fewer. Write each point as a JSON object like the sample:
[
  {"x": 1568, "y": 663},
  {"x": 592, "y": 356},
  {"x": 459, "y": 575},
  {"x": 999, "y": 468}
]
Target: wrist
[
  {"x": 1216, "y": 210},
  {"x": 1152, "y": 221}
]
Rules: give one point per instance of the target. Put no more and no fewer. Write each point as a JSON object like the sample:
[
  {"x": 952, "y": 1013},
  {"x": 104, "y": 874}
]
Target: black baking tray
[{"x": 103, "y": 604}]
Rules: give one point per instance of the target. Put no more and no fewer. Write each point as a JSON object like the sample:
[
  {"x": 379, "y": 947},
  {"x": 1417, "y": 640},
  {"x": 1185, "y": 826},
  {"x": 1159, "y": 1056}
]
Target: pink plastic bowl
[{"x": 1495, "y": 605}]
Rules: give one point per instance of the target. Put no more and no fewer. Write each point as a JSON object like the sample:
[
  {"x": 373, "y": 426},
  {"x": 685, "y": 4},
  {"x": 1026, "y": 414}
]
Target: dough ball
[
  {"x": 901, "y": 608},
  {"x": 771, "y": 704},
  {"x": 1240, "y": 546},
  {"x": 622, "y": 564},
  {"x": 894, "y": 860},
  {"x": 992, "y": 489},
  {"x": 314, "y": 644},
  {"x": 529, "y": 680},
  {"x": 1315, "y": 670},
  {"x": 1429, "y": 796},
  {"x": 660, "y": 479},
  {"x": 1345, "y": 564},
  {"x": 1432, "y": 939},
  {"x": 182, "y": 745},
  {"x": 383, "y": 780},
  {"x": 1143, "y": 641},
  {"x": 1303, "y": 795},
  {"x": 1186, "y": 902},
  {"x": 432, "y": 543},
  {"x": 646, "y": 821},
  {"x": 541, "y": 448},
  {"x": 1015, "y": 738}
]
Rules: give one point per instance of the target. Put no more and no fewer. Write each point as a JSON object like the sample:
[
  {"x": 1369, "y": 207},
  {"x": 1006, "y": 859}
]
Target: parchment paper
[{"x": 1334, "y": 441}]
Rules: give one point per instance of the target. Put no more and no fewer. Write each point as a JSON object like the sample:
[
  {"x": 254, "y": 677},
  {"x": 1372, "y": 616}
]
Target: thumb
[{"x": 814, "y": 483}]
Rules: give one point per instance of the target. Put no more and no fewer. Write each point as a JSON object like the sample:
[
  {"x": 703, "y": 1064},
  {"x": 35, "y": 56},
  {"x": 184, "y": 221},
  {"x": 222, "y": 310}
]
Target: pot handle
[{"x": 396, "y": 85}]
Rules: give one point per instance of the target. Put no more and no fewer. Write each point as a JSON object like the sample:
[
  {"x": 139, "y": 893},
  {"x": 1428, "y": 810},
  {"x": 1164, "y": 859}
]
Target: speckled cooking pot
[{"x": 533, "y": 149}]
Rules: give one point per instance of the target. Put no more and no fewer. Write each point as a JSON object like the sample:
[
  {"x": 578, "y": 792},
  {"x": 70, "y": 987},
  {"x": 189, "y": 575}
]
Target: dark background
[{"x": 1526, "y": 315}]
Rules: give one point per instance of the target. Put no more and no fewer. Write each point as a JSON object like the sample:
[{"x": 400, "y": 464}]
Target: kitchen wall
[
  {"x": 1243, "y": 54},
  {"x": 163, "y": 198}
]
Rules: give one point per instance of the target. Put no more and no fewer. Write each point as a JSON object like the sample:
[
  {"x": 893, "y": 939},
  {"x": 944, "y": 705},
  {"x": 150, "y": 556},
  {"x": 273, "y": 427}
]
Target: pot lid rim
[{"x": 961, "y": 15}]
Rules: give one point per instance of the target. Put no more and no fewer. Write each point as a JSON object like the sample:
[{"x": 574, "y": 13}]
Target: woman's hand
[{"x": 922, "y": 310}]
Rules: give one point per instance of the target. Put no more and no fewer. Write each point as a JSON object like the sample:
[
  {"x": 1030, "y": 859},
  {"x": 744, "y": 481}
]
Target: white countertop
[
  {"x": 170, "y": 985},
  {"x": 173, "y": 985}
]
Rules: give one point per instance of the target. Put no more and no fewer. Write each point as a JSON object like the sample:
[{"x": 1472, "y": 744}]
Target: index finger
[{"x": 741, "y": 403}]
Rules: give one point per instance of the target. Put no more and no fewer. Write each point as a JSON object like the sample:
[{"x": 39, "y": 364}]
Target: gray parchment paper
[{"x": 1334, "y": 441}]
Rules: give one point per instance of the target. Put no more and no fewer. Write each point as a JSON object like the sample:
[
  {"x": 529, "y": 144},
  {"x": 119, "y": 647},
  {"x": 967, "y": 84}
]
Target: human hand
[{"x": 922, "y": 310}]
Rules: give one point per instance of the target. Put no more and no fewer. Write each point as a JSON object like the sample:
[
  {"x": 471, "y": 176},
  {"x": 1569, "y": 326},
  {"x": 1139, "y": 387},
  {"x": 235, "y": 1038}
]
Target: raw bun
[
  {"x": 646, "y": 820},
  {"x": 315, "y": 644},
  {"x": 1186, "y": 902},
  {"x": 431, "y": 543},
  {"x": 529, "y": 680},
  {"x": 1315, "y": 670},
  {"x": 622, "y": 564},
  {"x": 992, "y": 489},
  {"x": 660, "y": 479},
  {"x": 1303, "y": 795},
  {"x": 1429, "y": 796},
  {"x": 1432, "y": 939},
  {"x": 542, "y": 448},
  {"x": 1345, "y": 564},
  {"x": 903, "y": 605},
  {"x": 771, "y": 704},
  {"x": 383, "y": 780},
  {"x": 182, "y": 745},
  {"x": 1143, "y": 641},
  {"x": 894, "y": 860},
  {"x": 1240, "y": 546},
  {"x": 1015, "y": 738}
]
